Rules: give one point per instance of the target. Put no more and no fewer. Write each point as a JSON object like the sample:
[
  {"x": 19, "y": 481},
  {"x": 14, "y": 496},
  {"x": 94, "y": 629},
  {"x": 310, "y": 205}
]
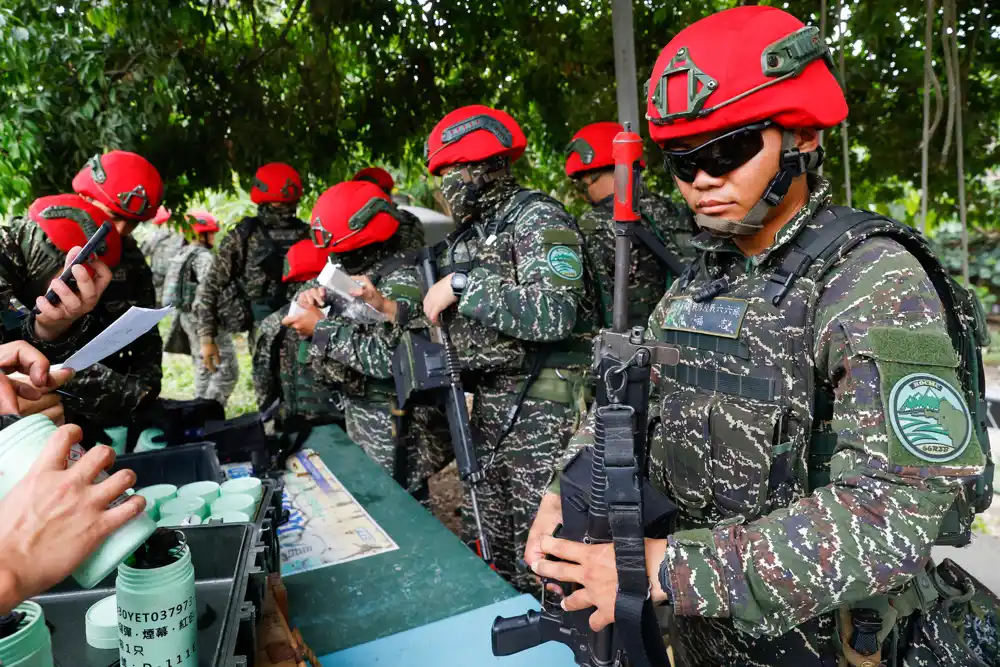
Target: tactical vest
[
  {"x": 303, "y": 396},
  {"x": 748, "y": 405},
  {"x": 484, "y": 348},
  {"x": 181, "y": 283},
  {"x": 269, "y": 261}
]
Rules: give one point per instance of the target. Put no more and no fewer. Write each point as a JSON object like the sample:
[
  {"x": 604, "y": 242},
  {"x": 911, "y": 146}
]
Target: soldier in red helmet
[
  {"x": 411, "y": 230},
  {"x": 129, "y": 190},
  {"x": 244, "y": 285},
  {"x": 520, "y": 312},
  {"x": 662, "y": 244},
  {"x": 819, "y": 344},
  {"x": 364, "y": 230},
  {"x": 186, "y": 273},
  {"x": 159, "y": 246}
]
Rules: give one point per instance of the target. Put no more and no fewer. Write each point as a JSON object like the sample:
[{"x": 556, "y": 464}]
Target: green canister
[
  {"x": 157, "y": 610},
  {"x": 31, "y": 644},
  {"x": 20, "y": 445}
]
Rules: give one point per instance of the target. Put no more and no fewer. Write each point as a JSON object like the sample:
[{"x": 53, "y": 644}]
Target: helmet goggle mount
[
  {"x": 78, "y": 216},
  {"x": 97, "y": 169},
  {"x": 356, "y": 223},
  {"x": 462, "y": 129},
  {"x": 136, "y": 194},
  {"x": 290, "y": 190},
  {"x": 581, "y": 147},
  {"x": 782, "y": 60}
]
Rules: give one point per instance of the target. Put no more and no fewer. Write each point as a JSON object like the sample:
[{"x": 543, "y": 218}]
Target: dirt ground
[{"x": 446, "y": 497}]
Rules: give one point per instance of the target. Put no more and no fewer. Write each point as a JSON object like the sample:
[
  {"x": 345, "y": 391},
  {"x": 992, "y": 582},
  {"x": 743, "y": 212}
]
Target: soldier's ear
[{"x": 806, "y": 139}]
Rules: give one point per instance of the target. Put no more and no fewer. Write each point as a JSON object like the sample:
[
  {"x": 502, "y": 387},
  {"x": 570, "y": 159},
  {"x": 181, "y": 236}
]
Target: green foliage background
[{"x": 211, "y": 88}]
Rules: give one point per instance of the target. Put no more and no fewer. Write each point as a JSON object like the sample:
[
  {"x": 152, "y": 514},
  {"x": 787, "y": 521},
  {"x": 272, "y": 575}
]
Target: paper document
[
  {"x": 295, "y": 309},
  {"x": 135, "y": 322},
  {"x": 339, "y": 286}
]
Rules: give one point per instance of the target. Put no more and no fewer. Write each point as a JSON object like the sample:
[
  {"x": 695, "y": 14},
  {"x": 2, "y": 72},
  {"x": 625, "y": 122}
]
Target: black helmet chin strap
[{"x": 794, "y": 163}]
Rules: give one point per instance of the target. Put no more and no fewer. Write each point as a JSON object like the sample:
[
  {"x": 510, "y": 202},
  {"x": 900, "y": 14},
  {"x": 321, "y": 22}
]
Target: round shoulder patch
[
  {"x": 564, "y": 262},
  {"x": 930, "y": 418}
]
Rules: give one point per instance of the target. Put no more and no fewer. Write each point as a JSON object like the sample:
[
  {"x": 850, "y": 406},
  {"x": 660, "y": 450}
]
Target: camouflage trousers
[
  {"x": 371, "y": 424},
  {"x": 516, "y": 477},
  {"x": 219, "y": 385}
]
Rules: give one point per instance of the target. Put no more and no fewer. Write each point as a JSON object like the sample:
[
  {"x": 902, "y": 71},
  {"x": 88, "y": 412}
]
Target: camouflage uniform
[
  {"x": 359, "y": 356},
  {"x": 252, "y": 274},
  {"x": 764, "y": 556},
  {"x": 525, "y": 303},
  {"x": 106, "y": 393},
  {"x": 673, "y": 225},
  {"x": 185, "y": 272},
  {"x": 159, "y": 247},
  {"x": 282, "y": 369}
]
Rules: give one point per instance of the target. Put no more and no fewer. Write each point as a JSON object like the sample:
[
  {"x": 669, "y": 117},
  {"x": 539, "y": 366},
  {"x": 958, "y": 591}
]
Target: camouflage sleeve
[
  {"x": 881, "y": 342},
  {"x": 367, "y": 349},
  {"x": 225, "y": 266},
  {"x": 541, "y": 306}
]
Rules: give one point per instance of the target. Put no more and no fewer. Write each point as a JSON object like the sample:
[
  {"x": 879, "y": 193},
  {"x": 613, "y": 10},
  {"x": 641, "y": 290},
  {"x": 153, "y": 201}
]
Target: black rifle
[
  {"x": 420, "y": 366},
  {"x": 618, "y": 505}
]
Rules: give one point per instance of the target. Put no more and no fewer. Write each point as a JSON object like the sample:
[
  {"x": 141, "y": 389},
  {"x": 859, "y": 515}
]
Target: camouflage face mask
[
  {"x": 458, "y": 193},
  {"x": 277, "y": 215}
]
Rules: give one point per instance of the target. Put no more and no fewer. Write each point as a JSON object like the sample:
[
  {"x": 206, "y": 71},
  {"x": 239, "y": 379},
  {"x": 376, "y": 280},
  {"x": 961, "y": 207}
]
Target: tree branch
[{"x": 281, "y": 38}]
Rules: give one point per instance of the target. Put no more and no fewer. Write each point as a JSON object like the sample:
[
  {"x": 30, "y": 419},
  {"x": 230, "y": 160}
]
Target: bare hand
[
  {"x": 592, "y": 566},
  {"x": 25, "y": 378},
  {"x": 439, "y": 298},
  {"x": 313, "y": 298},
  {"x": 548, "y": 517},
  {"x": 210, "y": 355},
  {"x": 54, "y": 518},
  {"x": 32, "y": 400},
  {"x": 54, "y": 320},
  {"x": 304, "y": 321},
  {"x": 369, "y": 294}
]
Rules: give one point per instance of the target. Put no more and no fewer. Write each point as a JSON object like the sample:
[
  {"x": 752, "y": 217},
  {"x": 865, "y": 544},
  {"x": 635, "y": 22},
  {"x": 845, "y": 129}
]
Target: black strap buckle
[
  {"x": 784, "y": 279},
  {"x": 866, "y": 624}
]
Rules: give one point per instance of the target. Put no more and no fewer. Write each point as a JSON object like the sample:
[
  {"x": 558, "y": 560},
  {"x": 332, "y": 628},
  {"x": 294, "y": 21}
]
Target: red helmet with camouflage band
[
  {"x": 590, "y": 149},
  {"x": 124, "y": 182},
  {"x": 352, "y": 215},
  {"x": 304, "y": 261},
  {"x": 69, "y": 220},
  {"x": 474, "y": 133},
  {"x": 276, "y": 183},
  {"x": 378, "y": 176},
  {"x": 203, "y": 222},
  {"x": 730, "y": 76}
]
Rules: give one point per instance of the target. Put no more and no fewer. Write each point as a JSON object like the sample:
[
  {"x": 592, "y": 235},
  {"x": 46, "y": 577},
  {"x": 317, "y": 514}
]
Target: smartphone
[{"x": 85, "y": 255}]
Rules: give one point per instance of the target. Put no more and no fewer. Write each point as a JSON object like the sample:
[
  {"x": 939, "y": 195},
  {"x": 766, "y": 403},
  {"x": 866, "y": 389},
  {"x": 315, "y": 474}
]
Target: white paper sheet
[
  {"x": 134, "y": 323},
  {"x": 335, "y": 280}
]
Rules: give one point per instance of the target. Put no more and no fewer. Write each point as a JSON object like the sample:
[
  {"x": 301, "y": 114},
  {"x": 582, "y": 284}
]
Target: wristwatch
[{"x": 458, "y": 283}]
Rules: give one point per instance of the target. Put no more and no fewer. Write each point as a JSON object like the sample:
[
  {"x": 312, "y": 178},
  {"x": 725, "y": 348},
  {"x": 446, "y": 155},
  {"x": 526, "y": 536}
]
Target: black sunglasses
[{"x": 719, "y": 156}]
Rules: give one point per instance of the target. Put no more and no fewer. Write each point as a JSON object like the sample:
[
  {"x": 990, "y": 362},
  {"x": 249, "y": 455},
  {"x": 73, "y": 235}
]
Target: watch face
[{"x": 458, "y": 282}]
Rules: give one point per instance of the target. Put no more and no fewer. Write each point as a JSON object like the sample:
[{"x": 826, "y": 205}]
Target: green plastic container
[
  {"x": 31, "y": 645},
  {"x": 250, "y": 486},
  {"x": 157, "y": 614},
  {"x": 150, "y": 440},
  {"x": 207, "y": 491},
  {"x": 185, "y": 506},
  {"x": 118, "y": 436},
  {"x": 20, "y": 445},
  {"x": 155, "y": 496},
  {"x": 235, "y": 502},
  {"x": 175, "y": 520},
  {"x": 102, "y": 623}
]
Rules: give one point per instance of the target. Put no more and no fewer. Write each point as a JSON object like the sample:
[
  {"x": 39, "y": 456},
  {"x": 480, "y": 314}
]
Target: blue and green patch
[
  {"x": 929, "y": 417},
  {"x": 565, "y": 262}
]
